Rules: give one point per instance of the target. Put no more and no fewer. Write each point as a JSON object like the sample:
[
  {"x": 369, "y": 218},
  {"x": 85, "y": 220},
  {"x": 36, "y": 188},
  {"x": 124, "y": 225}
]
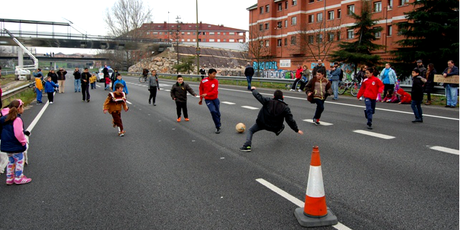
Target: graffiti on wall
[{"x": 265, "y": 65}]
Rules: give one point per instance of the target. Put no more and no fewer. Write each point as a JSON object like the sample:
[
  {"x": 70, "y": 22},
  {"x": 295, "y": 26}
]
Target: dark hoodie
[{"x": 273, "y": 114}]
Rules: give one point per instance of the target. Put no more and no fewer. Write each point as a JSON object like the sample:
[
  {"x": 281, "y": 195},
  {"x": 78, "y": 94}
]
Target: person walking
[
  {"x": 154, "y": 85},
  {"x": 450, "y": 89},
  {"x": 61, "y": 79},
  {"x": 417, "y": 95},
  {"x": 209, "y": 91},
  {"x": 14, "y": 143},
  {"x": 179, "y": 95},
  {"x": 271, "y": 117},
  {"x": 115, "y": 102},
  {"x": 318, "y": 67},
  {"x": 318, "y": 89},
  {"x": 249, "y": 72},
  {"x": 77, "y": 81},
  {"x": 85, "y": 78},
  {"x": 121, "y": 81},
  {"x": 298, "y": 76},
  {"x": 389, "y": 78},
  {"x": 371, "y": 87}
]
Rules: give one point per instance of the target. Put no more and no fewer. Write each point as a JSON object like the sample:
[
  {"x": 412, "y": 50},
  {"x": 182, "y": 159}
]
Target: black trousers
[
  {"x": 85, "y": 92},
  {"x": 181, "y": 106},
  {"x": 153, "y": 93},
  {"x": 319, "y": 108},
  {"x": 51, "y": 97}
]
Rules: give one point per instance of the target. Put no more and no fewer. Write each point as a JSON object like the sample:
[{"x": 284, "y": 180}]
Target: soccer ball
[{"x": 240, "y": 127}]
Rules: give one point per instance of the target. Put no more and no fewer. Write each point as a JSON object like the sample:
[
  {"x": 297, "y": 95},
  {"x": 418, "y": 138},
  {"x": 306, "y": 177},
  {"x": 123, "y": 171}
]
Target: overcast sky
[{"x": 87, "y": 16}]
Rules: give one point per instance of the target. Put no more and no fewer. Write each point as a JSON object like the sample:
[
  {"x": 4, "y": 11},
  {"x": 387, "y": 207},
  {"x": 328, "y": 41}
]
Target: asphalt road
[{"x": 169, "y": 175}]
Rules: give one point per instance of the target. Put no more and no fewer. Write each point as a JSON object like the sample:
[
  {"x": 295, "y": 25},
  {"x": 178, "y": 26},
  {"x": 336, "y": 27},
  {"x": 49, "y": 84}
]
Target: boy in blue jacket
[
  {"x": 49, "y": 89},
  {"x": 121, "y": 81}
]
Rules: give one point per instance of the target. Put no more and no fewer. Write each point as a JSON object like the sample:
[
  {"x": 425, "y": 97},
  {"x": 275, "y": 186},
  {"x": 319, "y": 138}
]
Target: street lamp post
[{"x": 197, "y": 43}]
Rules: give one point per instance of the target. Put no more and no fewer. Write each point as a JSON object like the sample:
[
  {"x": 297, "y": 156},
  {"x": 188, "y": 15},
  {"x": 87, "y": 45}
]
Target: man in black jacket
[
  {"x": 249, "y": 72},
  {"x": 271, "y": 117}
]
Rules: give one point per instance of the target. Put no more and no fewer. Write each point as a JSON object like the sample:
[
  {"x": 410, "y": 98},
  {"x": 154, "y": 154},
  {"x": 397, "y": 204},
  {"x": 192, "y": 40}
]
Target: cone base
[{"x": 305, "y": 221}]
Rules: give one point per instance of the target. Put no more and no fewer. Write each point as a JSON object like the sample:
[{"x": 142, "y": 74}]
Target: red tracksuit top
[
  {"x": 370, "y": 87},
  {"x": 210, "y": 87}
]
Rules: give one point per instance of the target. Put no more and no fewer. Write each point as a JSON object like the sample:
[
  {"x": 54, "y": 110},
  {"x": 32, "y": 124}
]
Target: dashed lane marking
[
  {"x": 320, "y": 123},
  {"x": 228, "y": 103},
  {"x": 373, "y": 134},
  {"x": 293, "y": 199},
  {"x": 249, "y": 107},
  {"x": 129, "y": 102},
  {"x": 445, "y": 149}
]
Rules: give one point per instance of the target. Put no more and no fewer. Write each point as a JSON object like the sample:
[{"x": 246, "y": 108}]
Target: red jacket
[
  {"x": 298, "y": 73},
  {"x": 371, "y": 87},
  {"x": 209, "y": 87},
  {"x": 404, "y": 96}
]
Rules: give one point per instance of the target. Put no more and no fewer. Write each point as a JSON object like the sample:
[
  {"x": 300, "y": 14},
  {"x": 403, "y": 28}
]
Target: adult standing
[
  {"x": 77, "y": 82},
  {"x": 85, "y": 76},
  {"x": 249, "y": 72},
  {"x": 209, "y": 90},
  {"x": 429, "y": 84},
  {"x": 298, "y": 76},
  {"x": 451, "y": 89},
  {"x": 153, "y": 86},
  {"x": 421, "y": 68},
  {"x": 202, "y": 72},
  {"x": 335, "y": 77},
  {"x": 318, "y": 67},
  {"x": 53, "y": 76},
  {"x": 317, "y": 91},
  {"x": 389, "y": 79},
  {"x": 61, "y": 79},
  {"x": 417, "y": 95}
]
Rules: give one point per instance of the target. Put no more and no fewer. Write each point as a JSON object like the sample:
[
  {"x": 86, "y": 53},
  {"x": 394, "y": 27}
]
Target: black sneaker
[
  {"x": 369, "y": 125},
  {"x": 218, "y": 130},
  {"x": 246, "y": 148},
  {"x": 316, "y": 121}
]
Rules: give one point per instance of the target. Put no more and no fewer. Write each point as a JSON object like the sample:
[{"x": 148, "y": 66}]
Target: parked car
[{"x": 100, "y": 75}]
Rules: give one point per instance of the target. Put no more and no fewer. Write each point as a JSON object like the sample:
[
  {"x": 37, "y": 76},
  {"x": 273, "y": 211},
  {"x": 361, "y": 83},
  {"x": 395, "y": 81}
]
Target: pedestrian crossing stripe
[
  {"x": 320, "y": 123},
  {"x": 373, "y": 134},
  {"x": 228, "y": 103},
  {"x": 249, "y": 107}
]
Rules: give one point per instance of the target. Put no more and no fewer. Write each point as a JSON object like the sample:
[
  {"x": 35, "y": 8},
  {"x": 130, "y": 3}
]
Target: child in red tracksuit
[
  {"x": 404, "y": 97},
  {"x": 107, "y": 83},
  {"x": 370, "y": 88}
]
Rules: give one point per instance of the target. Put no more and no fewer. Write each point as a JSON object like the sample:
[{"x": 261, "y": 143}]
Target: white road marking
[
  {"x": 129, "y": 102},
  {"x": 293, "y": 199},
  {"x": 228, "y": 103},
  {"x": 37, "y": 118},
  {"x": 249, "y": 107},
  {"x": 320, "y": 122},
  {"x": 445, "y": 149},
  {"x": 373, "y": 134}
]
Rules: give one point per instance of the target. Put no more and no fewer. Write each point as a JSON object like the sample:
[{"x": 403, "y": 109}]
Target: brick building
[
  {"x": 291, "y": 32},
  {"x": 186, "y": 32}
]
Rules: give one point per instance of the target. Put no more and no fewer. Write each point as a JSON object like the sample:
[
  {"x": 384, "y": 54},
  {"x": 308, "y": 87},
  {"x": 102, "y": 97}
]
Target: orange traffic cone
[{"x": 315, "y": 212}]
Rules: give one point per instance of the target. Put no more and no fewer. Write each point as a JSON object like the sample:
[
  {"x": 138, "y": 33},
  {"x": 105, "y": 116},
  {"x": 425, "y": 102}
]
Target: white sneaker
[
  {"x": 51, "y": 102},
  {"x": 300, "y": 90},
  {"x": 361, "y": 98},
  {"x": 291, "y": 90}
]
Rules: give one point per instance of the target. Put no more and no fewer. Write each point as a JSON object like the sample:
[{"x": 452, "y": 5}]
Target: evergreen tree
[
  {"x": 431, "y": 33},
  {"x": 360, "y": 51}
]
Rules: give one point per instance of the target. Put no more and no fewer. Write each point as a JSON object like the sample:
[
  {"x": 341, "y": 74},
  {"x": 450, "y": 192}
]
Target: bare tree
[
  {"x": 257, "y": 47},
  {"x": 124, "y": 21}
]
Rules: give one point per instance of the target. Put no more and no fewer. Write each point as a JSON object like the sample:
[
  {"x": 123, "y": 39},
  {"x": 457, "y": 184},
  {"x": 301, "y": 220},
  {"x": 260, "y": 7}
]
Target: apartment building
[
  {"x": 186, "y": 32},
  {"x": 292, "y": 32}
]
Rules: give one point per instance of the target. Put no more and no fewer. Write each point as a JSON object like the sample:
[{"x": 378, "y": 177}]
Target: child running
[
  {"x": 14, "y": 143},
  {"x": 371, "y": 87},
  {"x": 115, "y": 101}
]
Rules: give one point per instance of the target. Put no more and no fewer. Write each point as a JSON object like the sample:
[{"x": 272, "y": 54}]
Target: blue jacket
[
  {"x": 391, "y": 76},
  {"x": 49, "y": 86},
  {"x": 453, "y": 72},
  {"x": 10, "y": 143},
  {"x": 336, "y": 74},
  {"x": 125, "y": 89}
]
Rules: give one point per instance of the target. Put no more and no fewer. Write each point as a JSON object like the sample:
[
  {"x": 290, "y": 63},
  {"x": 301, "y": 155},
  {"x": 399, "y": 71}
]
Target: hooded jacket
[
  {"x": 417, "y": 88},
  {"x": 321, "y": 88},
  {"x": 179, "y": 91},
  {"x": 370, "y": 88},
  {"x": 273, "y": 113},
  {"x": 404, "y": 97}
]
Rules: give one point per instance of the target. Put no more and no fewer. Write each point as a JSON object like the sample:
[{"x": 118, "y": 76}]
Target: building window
[
  {"x": 279, "y": 42},
  {"x": 330, "y": 37},
  {"x": 294, "y": 21},
  {"x": 280, "y": 7},
  {"x": 286, "y": 5},
  {"x": 267, "y": 8},
  {"x": 294, "y": 2},
  {"x": 231, "y": 33},
  {"x": 311, "y": 39},
  {"x": 211, "y": 40},
  {"x": 311, "y": 18},
  {"x": 378, "y": 34},
  {"x": 339, "y": 13},
  {"x": 231, "y": 40},
  {"x": 266, "y": 26},
  {"x": 350, "y": 34},
  {"x": 261, "y": 10},
  {"x": 211, "y": 33},
  {"x": 319, "y": 38},
  {"x": 350, "y": 9},
  {"x": 293, "y": 40},
  {"x": 403, "y": 2},
  {"x": 148, "y": 33},
  {"x": 311, "y": 1},
  {"x": 267, "y": 43},
  {"x": 330, "y": 15},
  {"x": 279, "y": 24},
  {"x": 390, "y": 4},
  {"x": 285, "y": 42},
  {"x": 377, "y": 7},
  {"x": 286, "y": 23},
  {"x": 390, "y": 30},
  {"x": 319, "y": 17},
  {"x": 188, "y": 33},
  {"x": 261, "y": 27},
  {"x": 338, "y": 35}
]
